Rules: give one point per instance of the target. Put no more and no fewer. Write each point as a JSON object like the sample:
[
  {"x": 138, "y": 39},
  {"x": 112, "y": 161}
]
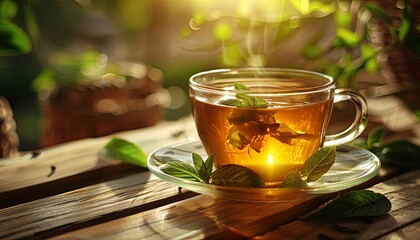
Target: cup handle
[{"x": 360, "y": 120}]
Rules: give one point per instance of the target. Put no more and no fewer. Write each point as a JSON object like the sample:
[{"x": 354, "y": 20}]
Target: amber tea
[
  {"x": 268, "y": 120},
  {"x": 271, "y": 142}
]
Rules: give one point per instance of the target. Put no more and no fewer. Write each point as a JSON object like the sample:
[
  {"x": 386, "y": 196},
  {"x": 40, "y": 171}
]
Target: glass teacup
[{"x": 269, "y": 120}]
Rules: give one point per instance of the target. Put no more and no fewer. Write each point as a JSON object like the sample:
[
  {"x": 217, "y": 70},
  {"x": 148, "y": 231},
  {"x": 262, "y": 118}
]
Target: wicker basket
[
  {"x": 9, "y": 140},
  {"x": 94, "y": 110}
]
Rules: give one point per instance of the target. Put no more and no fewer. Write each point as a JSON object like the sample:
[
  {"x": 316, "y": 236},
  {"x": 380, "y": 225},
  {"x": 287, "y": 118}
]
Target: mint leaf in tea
[{"x": 244, "y": 100}]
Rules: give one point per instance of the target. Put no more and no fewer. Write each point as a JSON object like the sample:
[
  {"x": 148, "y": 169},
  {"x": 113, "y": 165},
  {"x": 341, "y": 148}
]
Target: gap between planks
[
  {"x": 87, "y": 206},
  {"x": 206, "y": 217}
]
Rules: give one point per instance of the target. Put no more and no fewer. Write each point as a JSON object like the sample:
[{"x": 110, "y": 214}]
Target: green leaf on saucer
[
  {"x": 293, "y": 180},
  {"x": 209, "y": 165},
  {"x": 236, "y": 176},
  {"x": 181, "y": 170},
  {"x": 319, "y": 163},
  {"x": 360, "y": 203},
  {"x": 123, "y": 150},
  {"x": 204, "y": 169}
]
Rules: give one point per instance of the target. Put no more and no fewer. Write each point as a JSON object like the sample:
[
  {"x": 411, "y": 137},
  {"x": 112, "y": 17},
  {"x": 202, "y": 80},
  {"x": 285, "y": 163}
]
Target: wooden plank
[
  {"x": 80, "y": 156},
  {"x": 409, "y": 232},
  {"x": 404, "y": 194},
  {"x": 93, "y": 210},
  {"x": 194, "y": 218},
  {"x": 123, "y": 196},
  {"x": 62, "y": 185},
  {"x": 203, "y": 216}
]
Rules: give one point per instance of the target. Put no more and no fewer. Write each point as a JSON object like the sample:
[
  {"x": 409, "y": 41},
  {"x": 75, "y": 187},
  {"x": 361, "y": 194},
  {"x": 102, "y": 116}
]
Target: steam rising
[{"x": 250, "y": 32}]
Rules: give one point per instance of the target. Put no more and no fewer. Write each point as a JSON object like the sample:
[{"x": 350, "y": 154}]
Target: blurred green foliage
[
  {"x": 347, "y": 53},
  {"x": 400, "y": 153},
  {"x": 67, "y": 69},
  {"x": 15, "y": 38},
  {"x": 254, "y": 30}
]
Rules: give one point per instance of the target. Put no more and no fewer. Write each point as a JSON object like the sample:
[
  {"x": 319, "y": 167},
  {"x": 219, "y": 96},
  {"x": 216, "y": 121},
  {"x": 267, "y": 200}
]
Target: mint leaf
[
  {"x": 238, "y": 86},
  {"x": 244, "y": 100},
  {"x": 198, "y": 163},
  {"x": 293, "y": 180},
  {"x": 236, "y": 176},
  {"x": 400, "y": 153},
  {"x": 319, "y": 163},
  {"x": 204, "y": 169},
  {"x": 232, "y": 102},
  {"x": 360, "y": 203},
  {"x": 250, "y": 101},
  {"x": 181, "y": 170},
  {"x": 209, "y": 165},
  {"x": 123, "y": 150}
]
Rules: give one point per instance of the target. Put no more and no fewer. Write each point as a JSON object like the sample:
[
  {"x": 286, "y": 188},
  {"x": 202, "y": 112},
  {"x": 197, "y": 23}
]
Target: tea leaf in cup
[
  {"x": 285, "y": 134},
  {"x": 181, "y": 170},
  {"x": 236, "y": 140},
  {"x": 359, "y": 203},
  {"x": 236, "y": 176},
  {"x": 319, "y": 163},
  {"x": 293, "y": 180},
  {"x": 250, "y": 128}
]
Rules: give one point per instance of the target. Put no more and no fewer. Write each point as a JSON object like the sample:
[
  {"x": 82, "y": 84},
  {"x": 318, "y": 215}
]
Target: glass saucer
[{"x": 352, "y": 167}]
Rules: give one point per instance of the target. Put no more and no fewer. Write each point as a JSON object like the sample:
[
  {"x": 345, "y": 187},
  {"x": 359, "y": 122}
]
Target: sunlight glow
[{"x": 270, "y": 159}]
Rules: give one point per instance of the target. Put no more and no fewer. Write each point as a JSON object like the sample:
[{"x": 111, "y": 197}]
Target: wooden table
[{"x": 69, "y": 192}]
